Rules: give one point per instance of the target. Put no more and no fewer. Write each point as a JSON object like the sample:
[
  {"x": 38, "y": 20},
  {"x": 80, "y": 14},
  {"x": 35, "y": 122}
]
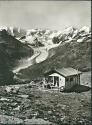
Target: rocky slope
[
  {"x": 11, "y": 50},
  {"x": 30, "y": 104}
]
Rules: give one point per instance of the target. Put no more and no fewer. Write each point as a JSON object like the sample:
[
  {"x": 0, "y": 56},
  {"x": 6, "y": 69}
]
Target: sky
[{"x": 55, "y": 15}]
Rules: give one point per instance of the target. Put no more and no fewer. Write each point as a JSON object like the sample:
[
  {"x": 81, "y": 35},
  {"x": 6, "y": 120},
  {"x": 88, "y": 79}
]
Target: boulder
[
  {"x": 4, "y": 119},
  {"x": 38, "y": 121}
]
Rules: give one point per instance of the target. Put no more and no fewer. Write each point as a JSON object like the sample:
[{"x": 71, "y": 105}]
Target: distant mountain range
[
  {"x": 71, "y": 47},
  {"x": 49, "y": 37}
]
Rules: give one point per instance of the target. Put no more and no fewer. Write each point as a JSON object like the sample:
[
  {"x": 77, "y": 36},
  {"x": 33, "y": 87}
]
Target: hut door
[{"x": 56, "y": 81}]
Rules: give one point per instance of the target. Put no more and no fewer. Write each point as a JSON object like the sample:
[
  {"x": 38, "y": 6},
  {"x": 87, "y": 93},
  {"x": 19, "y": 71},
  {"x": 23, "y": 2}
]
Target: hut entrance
[{"x": 56, "y": 81}]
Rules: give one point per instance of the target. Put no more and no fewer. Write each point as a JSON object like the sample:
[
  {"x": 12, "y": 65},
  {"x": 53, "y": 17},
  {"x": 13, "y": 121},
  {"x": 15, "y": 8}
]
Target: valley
[
  {"x": 40, "y": 54},
  {"x": 49, "y": 46},
  {"x": 29, "y": 53}
]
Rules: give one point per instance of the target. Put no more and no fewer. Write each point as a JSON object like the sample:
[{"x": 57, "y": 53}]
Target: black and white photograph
[{"x": 45, "y": 62}]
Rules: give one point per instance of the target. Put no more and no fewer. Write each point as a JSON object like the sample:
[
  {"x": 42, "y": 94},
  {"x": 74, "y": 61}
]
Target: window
[{"x": 56, "y": 81}]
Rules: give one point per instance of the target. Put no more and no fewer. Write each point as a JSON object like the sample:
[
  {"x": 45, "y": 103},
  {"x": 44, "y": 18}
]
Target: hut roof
[{"x": 64, "y": 71}]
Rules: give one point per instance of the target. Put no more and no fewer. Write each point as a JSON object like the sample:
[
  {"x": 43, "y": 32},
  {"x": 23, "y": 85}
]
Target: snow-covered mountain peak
[
  {"x": 3, "y": 28},
  {"x": 46, "y": 36},
  {"x": 85, "y": 29},
  {"x": 29, "y": 31},
  {"x": 69, "y": 30},
  {"x": 11, "y": 30}
]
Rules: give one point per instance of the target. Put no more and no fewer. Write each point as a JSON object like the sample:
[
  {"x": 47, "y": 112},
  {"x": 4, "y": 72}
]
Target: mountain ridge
[{"x": 11, "y": 50}]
